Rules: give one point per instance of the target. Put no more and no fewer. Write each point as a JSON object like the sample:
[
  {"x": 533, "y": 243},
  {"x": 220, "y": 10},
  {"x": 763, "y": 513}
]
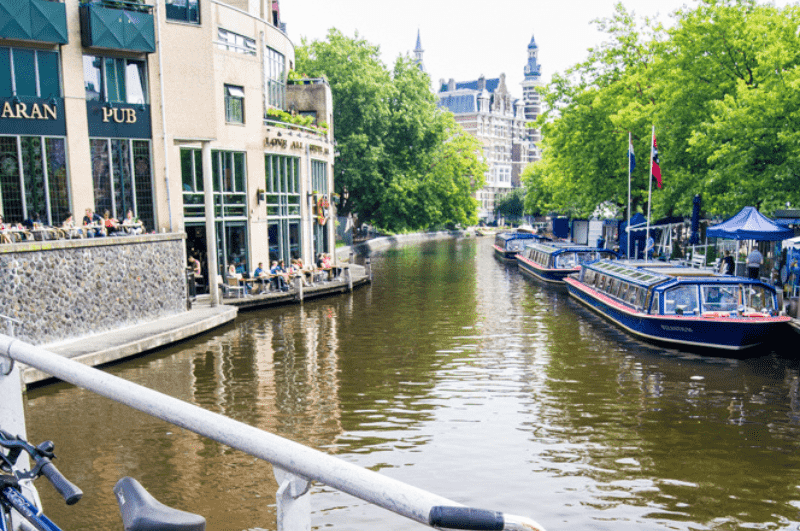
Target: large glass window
[
  {"x": 283, "y": 207},
  {"x": 28, "y": 72},
  {"x": 319, "y": 184},
  {"x": 122, "y": 178},
  {"x": 33, "y": 179},
  {"x": 184, "y": 11},
  {"x": 234, "y": 104},
  {"x": 229, "y": 176},
  {"x": 115, "y": 79},
  {"x": 275, "y": 82}
]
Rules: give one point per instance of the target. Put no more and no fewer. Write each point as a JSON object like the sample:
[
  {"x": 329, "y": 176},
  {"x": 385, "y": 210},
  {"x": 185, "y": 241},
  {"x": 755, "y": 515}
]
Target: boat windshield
[
  {"x": 681, "y": 300},
  {"x": 567, "y": 261},
  {"x": 724, "y": 298}
]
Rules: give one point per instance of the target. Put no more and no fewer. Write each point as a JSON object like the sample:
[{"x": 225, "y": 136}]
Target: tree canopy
[
  {"x": 403, "y": 164},
  {"x": 720, "y": 87}
]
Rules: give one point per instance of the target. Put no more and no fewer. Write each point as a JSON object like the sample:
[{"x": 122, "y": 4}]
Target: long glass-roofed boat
[
  {"x": 553, "y": 261},
  {"x": 508, "y": 244},
  {"x": 680, "y": 305}
]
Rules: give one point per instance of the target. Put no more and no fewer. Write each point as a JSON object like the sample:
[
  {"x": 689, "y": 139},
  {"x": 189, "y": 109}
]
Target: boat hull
[
  {"x": 504, "y": 255},
  {"x": 551, "y": 276},
  {"x": 719, "y": 333}
]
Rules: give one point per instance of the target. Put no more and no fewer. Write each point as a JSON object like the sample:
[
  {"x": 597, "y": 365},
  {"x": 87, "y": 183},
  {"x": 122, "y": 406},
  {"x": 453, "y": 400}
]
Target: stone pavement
[{"x": 130, "y": 341}]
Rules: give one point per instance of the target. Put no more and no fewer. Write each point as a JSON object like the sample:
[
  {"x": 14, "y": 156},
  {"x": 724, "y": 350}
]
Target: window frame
[
  {"x": 126, "y": 63},
  {"x": 172, "y": 10},
  {"x": 232, "y": 99}
]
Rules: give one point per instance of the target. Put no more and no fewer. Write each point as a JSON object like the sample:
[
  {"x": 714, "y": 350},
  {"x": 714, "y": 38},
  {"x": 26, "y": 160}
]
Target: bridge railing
[{"x": 295, "y": 465}]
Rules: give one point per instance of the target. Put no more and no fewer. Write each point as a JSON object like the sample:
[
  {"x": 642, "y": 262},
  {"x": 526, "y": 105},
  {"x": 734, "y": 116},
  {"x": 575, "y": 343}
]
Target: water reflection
[{"x": 454, "y": 373}]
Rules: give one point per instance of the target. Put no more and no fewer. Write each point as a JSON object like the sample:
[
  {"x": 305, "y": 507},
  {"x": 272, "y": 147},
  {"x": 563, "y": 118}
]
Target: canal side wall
[{"x": 65, "y": 289}]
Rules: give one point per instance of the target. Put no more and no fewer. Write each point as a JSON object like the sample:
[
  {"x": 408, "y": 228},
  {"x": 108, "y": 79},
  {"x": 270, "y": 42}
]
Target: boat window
[
  {"x": 611, "y": 284},
  {"x": 567, "y": 261},
  {"x": 601, "y": 282},
  {"x": 633, "y": 295},
  {"x": 758, "y": 299},
  {"x": 641, "y": 295},
  {"x": 588, "y": 276},
  {"x": 654, "y": 303},
  {"x": 720, "y": 298},
  {"x": 681, "y": 300},
  {"x": 623, "y": 290}
]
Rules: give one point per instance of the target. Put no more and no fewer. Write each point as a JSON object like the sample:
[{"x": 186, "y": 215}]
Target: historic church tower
[
  {"x": 418, "y": 53},
  {"x": 532, "y": 100}
]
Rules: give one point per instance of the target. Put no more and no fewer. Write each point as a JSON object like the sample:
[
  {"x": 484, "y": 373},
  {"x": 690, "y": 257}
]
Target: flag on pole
[
  {"x": 656, "y": 168},
  {"x": 631, "y": 157}
]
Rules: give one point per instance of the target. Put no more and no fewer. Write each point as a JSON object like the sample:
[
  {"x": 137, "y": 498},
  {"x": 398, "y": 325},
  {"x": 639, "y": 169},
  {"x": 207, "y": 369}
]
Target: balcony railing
[
  {"x": 33, "y": 20},
  {"x": 118, "y": 25}
]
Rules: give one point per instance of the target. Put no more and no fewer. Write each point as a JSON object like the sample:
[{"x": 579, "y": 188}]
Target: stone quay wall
[{"x": 66, "y": 289}]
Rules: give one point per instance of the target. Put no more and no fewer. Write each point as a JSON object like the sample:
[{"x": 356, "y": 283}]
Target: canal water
[{"x": 455, "y": 374}]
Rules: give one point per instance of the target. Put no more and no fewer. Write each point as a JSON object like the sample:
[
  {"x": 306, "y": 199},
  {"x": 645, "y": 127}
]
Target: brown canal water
[{"x": 455, "y": 374}]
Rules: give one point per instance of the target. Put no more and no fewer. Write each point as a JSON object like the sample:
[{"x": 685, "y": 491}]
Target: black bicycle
[{"x": 140, "y": 511}]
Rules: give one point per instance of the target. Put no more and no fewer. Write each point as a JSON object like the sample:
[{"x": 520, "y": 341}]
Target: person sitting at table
[
  {"x": 111, "y": 224},
  {"x": 307, "y": 274},
  {"x": 131, "y": 223},
  {"x": 233, "y": 274},
  {"x": 279, "y": 275},
  {"x": 93, "y": 221},
  {"x": 69, "y": 227}
]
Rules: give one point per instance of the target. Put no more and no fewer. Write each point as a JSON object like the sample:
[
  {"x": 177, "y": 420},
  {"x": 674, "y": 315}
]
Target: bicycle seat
[{"x": 141, "y": 512}]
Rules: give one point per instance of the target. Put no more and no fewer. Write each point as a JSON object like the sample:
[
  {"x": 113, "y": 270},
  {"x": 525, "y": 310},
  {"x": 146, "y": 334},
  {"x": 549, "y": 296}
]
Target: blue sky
[{"x": 466, "y": 38}]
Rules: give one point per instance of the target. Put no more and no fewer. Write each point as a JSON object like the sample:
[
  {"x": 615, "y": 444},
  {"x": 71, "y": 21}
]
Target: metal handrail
[{"x": 309, "y": 464}]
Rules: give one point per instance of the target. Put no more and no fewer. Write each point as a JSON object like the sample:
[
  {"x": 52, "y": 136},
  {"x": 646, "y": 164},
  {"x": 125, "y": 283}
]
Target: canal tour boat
[
  {"x": 508, "y": 244},
  {"x": 553, "y": 261},
  {"x": 680, "y": 305}
]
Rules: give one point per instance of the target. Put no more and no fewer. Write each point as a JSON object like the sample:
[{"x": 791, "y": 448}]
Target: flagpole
[
  {"x": 649, "y": 194},
  {"x": 628, "y": 228}
]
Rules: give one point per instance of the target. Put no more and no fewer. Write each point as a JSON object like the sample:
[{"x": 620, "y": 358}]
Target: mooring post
[
  {"x": 299, "y": 281},
  {"x": 368, "y": 267},
  {"x": 293, "y": 501}
]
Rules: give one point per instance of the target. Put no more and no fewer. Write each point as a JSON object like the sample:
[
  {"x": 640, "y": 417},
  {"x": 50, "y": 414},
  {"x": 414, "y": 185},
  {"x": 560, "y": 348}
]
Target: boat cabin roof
[
  {"x": 517, "y": 236},
  {"x": 565, "y": 247},
  {"x": 644, "y": 274}
]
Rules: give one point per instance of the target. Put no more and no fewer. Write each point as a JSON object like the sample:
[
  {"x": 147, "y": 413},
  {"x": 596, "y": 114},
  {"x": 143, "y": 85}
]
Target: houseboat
[
  {"x": 508, "y": 244},
  {"x": 680, "y": 306},
  {"x": 552, "y": 261}
]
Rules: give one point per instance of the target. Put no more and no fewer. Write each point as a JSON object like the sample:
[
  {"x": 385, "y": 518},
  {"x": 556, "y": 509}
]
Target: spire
[
  {"x": 533, "y": 70},
  {"x": 418, "y": 53}
]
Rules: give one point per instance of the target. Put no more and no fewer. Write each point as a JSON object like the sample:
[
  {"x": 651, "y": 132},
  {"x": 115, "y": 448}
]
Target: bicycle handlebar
[
  {"x": 43, "y": 466},
  {"x": 71, "y": 493}
]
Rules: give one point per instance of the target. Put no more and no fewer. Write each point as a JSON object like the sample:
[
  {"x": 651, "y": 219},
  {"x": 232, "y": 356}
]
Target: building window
[
  {"x": 122, "y": 178},
  {"x": 115, "y": 80},
  {"x": 33, "y": 179},
  {"x": 234, "y": 42},
  {"x": 229, "y": 175},
  {"x": 184, "y": 11},
  {"x": 28, "y": 72},
  {"x": 234, "y": 104},
  {"x": 275, "y": 79},
  {"x": 283, "y": 207},
  {"x": 319, "y": 183}
]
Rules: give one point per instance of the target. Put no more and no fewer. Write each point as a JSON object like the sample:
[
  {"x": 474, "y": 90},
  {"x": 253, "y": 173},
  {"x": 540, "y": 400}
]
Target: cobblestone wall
[{"x": 72, "y": 288}]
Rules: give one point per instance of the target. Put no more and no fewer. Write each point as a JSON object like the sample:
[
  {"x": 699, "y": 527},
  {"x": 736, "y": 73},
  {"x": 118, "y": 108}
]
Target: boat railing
[{"x": 295, "y": 465}]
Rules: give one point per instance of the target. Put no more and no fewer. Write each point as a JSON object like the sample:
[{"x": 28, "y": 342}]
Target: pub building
[{"x": 127, "y": 105}]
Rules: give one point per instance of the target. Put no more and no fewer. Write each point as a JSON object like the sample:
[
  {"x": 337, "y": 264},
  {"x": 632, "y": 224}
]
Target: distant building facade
[{"x": 487, "y": 110}]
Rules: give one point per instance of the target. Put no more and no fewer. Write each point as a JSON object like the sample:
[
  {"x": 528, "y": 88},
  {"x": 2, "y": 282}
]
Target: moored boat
[
  {"x": 553, "y": 261},
  {"x": 508, "y": 244},
  {"x": 680, "y": 305}
]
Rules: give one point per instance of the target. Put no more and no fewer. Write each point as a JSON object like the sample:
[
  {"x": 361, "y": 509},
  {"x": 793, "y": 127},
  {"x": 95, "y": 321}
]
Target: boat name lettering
[{"x": 677, "y": 329}]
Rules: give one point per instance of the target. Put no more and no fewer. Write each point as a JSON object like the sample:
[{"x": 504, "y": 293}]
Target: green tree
[
  {"x": 391, "y": 139},
  {"x": 511, "y": 205},
  {"x": 720, "y": 86}
]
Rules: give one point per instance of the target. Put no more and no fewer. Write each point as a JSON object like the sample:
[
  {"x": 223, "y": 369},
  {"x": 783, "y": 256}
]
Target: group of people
[
  {"x": 279, "y": 274},
  {"x": 96, "y": 226},
  {"x": 754, "y": 261},
  {"x": 93, "y": 225}
]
